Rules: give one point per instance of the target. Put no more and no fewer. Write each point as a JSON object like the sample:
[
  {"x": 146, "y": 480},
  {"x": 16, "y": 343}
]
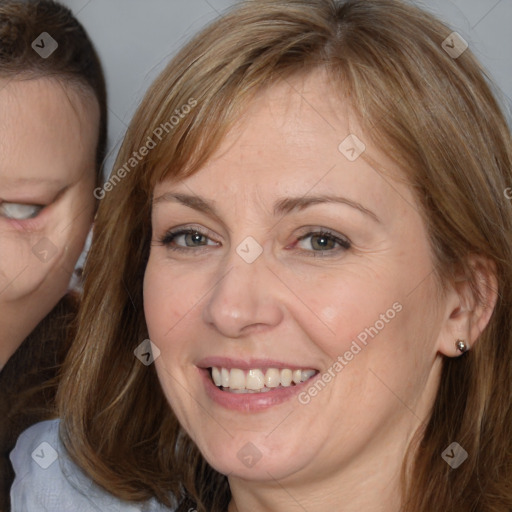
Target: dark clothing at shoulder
[{"x": 28, "y": 383}]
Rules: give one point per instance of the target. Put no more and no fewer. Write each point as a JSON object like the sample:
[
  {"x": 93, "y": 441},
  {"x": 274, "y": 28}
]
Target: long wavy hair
[{"x": 436, "y": 116}]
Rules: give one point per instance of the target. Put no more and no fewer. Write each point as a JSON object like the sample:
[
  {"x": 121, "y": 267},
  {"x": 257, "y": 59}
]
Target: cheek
[
  {"x": 378, "y": 341},
  {"x": 25, "y": 262},
  {"x": 346, "y": 306},
  {"x": 169, "y": 308},
  {"x": 74, "y": 217},
  {"x": 168, "y": 299},
  {"x": 371, "y": 318},
  {"x": 74, "y": 236}
]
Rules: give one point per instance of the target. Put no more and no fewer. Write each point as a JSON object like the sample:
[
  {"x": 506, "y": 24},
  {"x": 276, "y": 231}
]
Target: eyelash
[{"x": 344, "y": 243}]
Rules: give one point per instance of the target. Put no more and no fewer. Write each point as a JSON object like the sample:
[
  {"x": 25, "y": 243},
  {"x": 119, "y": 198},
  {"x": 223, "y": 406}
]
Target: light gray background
[{"x": 136, "y": 38}]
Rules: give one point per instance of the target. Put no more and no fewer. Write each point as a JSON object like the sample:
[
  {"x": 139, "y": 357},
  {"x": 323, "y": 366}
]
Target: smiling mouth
[{"x": 258, "y": 380}]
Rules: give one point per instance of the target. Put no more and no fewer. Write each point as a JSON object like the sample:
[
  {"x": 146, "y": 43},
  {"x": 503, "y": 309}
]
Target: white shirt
[{"x": 47, "y": 480}]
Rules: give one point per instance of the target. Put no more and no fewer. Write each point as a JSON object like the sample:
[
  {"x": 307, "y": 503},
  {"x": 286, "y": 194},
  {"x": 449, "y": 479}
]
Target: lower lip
[{"x": 250, "y": 402}]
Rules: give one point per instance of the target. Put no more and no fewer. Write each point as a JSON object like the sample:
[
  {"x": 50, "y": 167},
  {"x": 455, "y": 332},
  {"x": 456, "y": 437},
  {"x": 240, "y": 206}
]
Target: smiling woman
[
  {"x": 328, "y": 221},
  {"x": 52, "y": 142}
]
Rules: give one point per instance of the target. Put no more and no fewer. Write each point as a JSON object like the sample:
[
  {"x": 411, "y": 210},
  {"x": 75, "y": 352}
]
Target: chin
[{"x": 250, "y": 457}]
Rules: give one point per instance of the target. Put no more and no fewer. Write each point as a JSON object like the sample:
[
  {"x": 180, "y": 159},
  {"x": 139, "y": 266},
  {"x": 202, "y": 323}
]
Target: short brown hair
[
  {"x": 75, "y": 60},
  {"x": 434, "y": 115}
]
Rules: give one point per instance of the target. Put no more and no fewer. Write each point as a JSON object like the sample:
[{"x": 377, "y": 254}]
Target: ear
[{"x": 468, "y": 309}]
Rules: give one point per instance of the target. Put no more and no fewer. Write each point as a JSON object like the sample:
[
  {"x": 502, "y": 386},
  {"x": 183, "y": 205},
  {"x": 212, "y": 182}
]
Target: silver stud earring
[{"x": 461, "y": 346}]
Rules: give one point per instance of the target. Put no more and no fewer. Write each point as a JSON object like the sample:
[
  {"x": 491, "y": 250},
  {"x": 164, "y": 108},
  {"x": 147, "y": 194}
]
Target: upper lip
[{"x": 242, "y": 364}]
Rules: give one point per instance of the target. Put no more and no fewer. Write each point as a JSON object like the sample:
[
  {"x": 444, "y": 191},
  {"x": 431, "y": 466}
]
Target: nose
[{"x": 244, "y": 301}]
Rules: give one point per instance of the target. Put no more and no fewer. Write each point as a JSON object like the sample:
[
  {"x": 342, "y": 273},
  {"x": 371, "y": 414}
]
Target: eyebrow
[{"x": 281, "y": 207}]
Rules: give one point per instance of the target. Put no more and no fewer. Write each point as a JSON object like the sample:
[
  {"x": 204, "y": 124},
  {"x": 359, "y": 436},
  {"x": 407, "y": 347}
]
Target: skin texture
[
  {"x": 48, "y": 137},
  {"x": 342, "y": 450}
]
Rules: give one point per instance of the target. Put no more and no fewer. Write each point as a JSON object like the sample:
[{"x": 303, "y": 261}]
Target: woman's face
[
  {"x": 286, "y": 259},
  {"x": 48, "y": 138}
]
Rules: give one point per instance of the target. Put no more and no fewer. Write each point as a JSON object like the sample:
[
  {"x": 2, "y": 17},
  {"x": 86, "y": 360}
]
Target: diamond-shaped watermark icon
[
  {"x": 249, "y": 455},
  {"x": 351, "y": 147},
  {"x": 45, "y": 250},
  {"x": 454, "y": 455},
  {"x": 454, "y": 45},
  {"x": 45, "y": 455},
  {"x": 44, "y": 45},
  {"x": 147, "y": 352},
  {"x": 249, "y": 250}
]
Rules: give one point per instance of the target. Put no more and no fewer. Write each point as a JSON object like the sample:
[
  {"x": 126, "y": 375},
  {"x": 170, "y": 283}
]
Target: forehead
[
  {"x": 48, "y": 130},
  {"x": 291, "y": 141}
]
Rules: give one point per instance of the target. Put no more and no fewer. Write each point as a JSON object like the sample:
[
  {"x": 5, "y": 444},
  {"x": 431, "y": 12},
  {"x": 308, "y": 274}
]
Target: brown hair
[
  {"x": 434, "y": 115},
  {"x": 74, "y": 62}
]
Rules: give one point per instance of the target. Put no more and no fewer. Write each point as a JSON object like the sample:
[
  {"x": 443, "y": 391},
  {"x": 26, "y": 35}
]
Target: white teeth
[
  {"x": 236, "y": 379},
  {"x": 286, "y": 377},
  {"x": 272, "y": 378},
  {"x": 255, "y": 381},
  {"x": 224, "y": 375},
  {"x": 216, "y": 376}
]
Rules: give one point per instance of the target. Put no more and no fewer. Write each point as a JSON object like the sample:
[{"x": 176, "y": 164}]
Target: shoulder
[{"x": 47, "y": 479}]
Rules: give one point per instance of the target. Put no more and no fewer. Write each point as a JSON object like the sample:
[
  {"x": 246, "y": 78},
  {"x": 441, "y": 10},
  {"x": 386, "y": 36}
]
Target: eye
[
  {"x": 184, "y": 239},
  {"x": 20, "y": 211},
  {"x": 322, "y": 241}
]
